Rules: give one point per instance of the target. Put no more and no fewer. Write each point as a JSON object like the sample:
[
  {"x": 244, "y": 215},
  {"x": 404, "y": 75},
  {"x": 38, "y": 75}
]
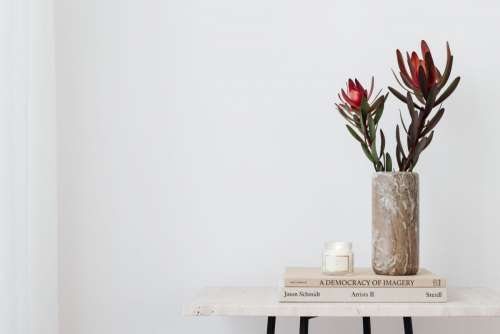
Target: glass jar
[{"x": 337, "y": 258}]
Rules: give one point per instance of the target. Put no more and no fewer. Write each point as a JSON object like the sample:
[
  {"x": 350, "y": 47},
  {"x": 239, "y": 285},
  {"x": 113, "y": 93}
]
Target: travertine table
[{"x": 462, "y": 302}]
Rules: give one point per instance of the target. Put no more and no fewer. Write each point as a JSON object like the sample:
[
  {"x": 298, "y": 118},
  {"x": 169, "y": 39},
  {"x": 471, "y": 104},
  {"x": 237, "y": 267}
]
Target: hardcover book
[
  {"x": 362, "y": 295},
  {"x": 360, "y": 278}
]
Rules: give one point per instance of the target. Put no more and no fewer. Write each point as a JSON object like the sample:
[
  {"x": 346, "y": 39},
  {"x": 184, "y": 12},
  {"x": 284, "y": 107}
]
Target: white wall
[
  {"x": 28, "y": 169},
  {"x": 199, "y": 146}
]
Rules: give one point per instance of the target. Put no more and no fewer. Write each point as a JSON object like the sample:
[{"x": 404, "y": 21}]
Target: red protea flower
[
  {"x": 422, "y": 74},
  {"x": 355, "y": 94},
  {"x": 362, "y": 118},
  {"x": 424, "y": 82}
]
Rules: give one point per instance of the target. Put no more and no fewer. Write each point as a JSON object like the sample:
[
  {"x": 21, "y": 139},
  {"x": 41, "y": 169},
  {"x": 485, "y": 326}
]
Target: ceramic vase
[{"x": 395, "y": 223}]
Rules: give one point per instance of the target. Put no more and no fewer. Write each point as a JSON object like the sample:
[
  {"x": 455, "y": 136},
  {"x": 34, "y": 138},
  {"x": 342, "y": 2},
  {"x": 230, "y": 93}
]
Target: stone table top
[{"x": 262, "y": 301}]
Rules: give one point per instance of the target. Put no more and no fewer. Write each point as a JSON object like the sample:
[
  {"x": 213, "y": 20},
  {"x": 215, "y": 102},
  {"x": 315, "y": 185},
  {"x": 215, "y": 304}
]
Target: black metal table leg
[
  {"x": 271, "y": 325},
  {"x": 408, "y": 325},
  {"x": 304, "y": 325},
  {"x": 367, "y": 327}
]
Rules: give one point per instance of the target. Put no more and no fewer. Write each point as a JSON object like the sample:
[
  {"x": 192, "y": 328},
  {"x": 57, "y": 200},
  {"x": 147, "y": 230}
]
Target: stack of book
[{"x": 303, "y": 284}]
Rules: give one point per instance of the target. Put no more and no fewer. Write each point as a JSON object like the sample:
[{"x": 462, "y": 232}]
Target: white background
[
  {"x": 199, "y": 145},
  {"x": 28, "y": 169}
]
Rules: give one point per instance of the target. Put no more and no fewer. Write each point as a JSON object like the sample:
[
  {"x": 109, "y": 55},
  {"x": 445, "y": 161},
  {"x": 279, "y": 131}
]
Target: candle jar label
[
  {"x": 337, "y": 257},
  {"x": 336, "y": 263}
]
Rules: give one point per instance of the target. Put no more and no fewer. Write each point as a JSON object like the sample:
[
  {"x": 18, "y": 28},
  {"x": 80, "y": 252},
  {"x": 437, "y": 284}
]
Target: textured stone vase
[{"x": 395, "y": 223}]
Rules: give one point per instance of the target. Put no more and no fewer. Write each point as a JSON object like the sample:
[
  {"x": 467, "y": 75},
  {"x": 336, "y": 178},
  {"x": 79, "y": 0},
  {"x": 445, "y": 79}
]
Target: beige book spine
[
  {"x": 366, "y": 283},
  {"x": 363, "y": 295}
]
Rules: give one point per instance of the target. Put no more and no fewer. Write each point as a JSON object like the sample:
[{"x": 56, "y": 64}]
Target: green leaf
[
  {"x": 346, "y": 116},
  {"x": 372, "y": 86},
  {"x": 388, "y": 163},
  {"x": 398, "y": 139},
  {"x": 376, "y": 161},
  {"x": 411, "y": 108},
  {"x": 371, "y": 128},
  {"x": 379, "y": 101},
  {"x": 448, "y": 91},
  {"x": 399, "y": 159},
  {"x": 427, "y": 140},
  {"x": 429, "y": 104},
  {"x": 399, "y": 82},
  {"x": 433, "y": 122},
  {"x": 397, "y": 94},
  {"x": 419, "y": 97},
  {"x": 414, "y": 124},
  {"x": 421, "y": 146},
  {"x": 354, "y": 134},
  {"x": 382, "y": 144},
  {"x": 447, "y": 69},
  {"x": 374, "y": 152},
  {"x": 365, "y": 107},
  {"x": 431, "y": 98},
  {"x": 378, "y": 114},
  {"x": 424, "y": 142},
  {"x": 403, "y": 122},
  {"x": 362, "y": 119},
  {"x": 367, "y": 152},
  {"x": 400, "y": 155}
]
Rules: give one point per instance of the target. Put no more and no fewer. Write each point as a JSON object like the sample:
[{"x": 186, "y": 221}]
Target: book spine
[
  {"x": 367, "y": 283},
  {"x": 364, "y": 295}
]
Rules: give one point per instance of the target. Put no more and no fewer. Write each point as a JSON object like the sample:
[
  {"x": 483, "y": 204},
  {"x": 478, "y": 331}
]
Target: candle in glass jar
[{"x": 337, "y": 257}]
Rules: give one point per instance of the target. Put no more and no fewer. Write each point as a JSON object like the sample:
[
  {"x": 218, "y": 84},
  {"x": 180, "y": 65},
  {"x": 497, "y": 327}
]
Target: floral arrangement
[{"x": 424, "y": 92}]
